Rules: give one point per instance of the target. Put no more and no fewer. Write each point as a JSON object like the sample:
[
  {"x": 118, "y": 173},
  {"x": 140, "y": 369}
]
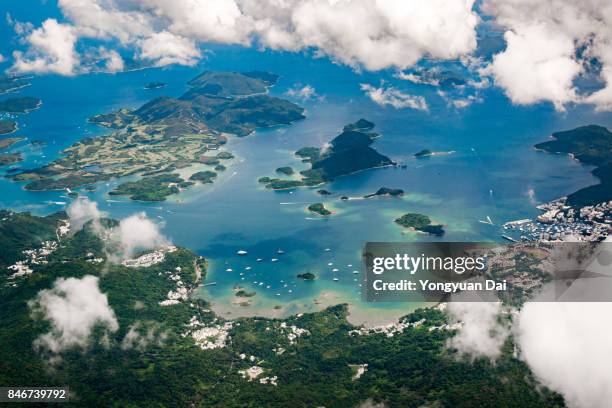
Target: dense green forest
[{"x": 306, "y": 360}]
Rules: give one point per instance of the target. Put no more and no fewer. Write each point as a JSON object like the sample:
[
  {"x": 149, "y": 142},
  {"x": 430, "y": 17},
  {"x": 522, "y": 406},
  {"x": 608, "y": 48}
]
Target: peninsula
[
  {"x": 590, "y": 145},
  {"x": 166, "y": 134},
  {"x": 20, "y": 105}
]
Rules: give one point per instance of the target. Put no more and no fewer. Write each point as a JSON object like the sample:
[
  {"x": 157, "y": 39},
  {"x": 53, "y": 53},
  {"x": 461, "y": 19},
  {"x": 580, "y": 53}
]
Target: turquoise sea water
[{"x": 491, "y": 173}]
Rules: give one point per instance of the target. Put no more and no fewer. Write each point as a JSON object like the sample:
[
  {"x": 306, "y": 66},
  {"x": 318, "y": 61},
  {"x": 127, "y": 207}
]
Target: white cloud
[
  {"x": 536, "y": 66},
  {"x": 51, "y": 48},
  {"x": 549, "y": 42},
  {"x": 113, "y": 61},
  {"x": 389, "y": 34},
  {"x": 569, "y": 348},
  {"x": 140, "y": 336},
  {"x": 390, "y": 96},
  {"x": 306, "y": 92},
  {"x": 136, "y": 233},
  {"x": 481, "y": 333},
  {"x": 73, "y": 307},
  {"x": 166, "y": 48},
  {"x": 81, "y": 211}
]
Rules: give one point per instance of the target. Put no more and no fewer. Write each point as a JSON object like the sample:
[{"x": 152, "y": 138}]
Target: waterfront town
[{"x": 562, "y": 222}]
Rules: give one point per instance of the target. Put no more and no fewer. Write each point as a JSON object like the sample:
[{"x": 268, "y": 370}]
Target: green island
[
  {"x": 155, "y": 188},
  {"x": 206, "y": 176},
  {"x": 287, "y": 171},
  {"x": 245, "y": 294},
  {"x": 348, "y": 153},
  {"x": 307, "y": 276},
  {"x": 384, "y": 191},
  {"x": 423, "y": 153},
  {"x": 166, "y": 133},
  {"x": 9, "y": 141},
  {"x": 20, "y": 105},
  {"x": 10, "y": 158},
  {"x": 185, "y": 355},
  {"x": 155, "y": 85},
  {"x": 591, "y": 145},
  {"x": 7, "y": 126},
  {"x": 319, "y": 208},
  {"x": 420, "y": 222}
]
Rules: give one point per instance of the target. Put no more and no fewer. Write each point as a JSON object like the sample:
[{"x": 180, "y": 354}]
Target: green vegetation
[
  {"x": 319, "y": 208},
  {"x": 166, "y": 133},
  {"x": 307, "y": 276},
  {"x": 19, "y": 105},
  {"x": 288, "y": 171},
  {"x": 10, "y": 158},
  {"x": 384, "y": 191},
  {"x": 203, "y": 176},
  {"x": 423, "y": 153},
  {"x": 590, "y": 145},
  {"x": 155, "y": 188},
  {"x": 7, "y": 126},
  {"x": 225, "y": 155},
  {"x": 349, "y": 152},
  {"x": 220, "y": 167},
  {"x": 244, "y": 293},
  {"x": 420, "y": 222},
  {"x": 155, "y": 85},
  {"x": 232, "y": 83},
  {"x": 413, "y": 368},
  {"x": 360, "y": 125},
  {"x": 324, "y": 192}
]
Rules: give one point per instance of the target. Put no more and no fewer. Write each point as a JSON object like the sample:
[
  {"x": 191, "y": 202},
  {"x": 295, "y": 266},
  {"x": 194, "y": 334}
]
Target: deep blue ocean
[{"x": 494, "y": 170}]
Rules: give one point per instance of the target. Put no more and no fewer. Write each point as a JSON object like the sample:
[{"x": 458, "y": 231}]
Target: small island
[
  {"x": 155, "y": 85},
  {"x": 155, "y": 188},
  {"x": 204, "y": 177},
  {"x": 307, "y": 276},
  {"x": 20, "y": 105},
  {"x": 7, "y": 126},
  {"x": 288, "y": 171},
  {"x": 324, "y": 192},
  {"x": 244, "y": 294},
  {"x": 319, "y": 208},
  {"x": 384, "y": 191},
  {"x": 423, "y": 153},
  {"x": 420, "y": 222},
  {"x": 348, "y": 153}
]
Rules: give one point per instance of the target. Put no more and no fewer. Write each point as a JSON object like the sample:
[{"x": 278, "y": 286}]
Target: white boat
[
  {"x": 241, "y": 252},
  {"x": 273, "y": 259}
]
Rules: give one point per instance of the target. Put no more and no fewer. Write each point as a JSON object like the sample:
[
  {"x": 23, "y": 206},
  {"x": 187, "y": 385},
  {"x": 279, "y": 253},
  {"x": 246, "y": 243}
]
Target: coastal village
[{"x": 562, "y": 222}]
